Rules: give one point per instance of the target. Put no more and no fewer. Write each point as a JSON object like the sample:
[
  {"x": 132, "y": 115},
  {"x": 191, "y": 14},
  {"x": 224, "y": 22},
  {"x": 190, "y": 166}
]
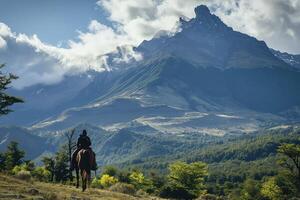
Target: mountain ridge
[{"x": 207, "y": 68}]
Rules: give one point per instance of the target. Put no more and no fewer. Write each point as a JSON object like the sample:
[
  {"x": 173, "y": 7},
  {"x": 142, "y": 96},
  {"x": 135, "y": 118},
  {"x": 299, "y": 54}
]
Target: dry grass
[{"x": 12, "y": 188}]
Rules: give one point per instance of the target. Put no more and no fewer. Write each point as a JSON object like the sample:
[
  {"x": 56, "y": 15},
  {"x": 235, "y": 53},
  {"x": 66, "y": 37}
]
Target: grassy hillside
[{"x": 12, "y": 188}]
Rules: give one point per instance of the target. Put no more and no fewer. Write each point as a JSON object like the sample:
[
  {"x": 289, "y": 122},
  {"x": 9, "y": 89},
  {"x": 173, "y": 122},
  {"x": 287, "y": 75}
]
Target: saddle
[{"x": 86, "y": 159}]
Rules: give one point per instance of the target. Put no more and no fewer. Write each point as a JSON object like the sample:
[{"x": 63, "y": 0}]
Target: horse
[{"x": 85, "y": 159}]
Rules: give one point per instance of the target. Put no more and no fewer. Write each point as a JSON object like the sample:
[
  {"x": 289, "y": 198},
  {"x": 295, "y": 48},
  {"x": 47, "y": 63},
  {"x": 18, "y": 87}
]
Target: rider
[{"x": 83, "y": 142}]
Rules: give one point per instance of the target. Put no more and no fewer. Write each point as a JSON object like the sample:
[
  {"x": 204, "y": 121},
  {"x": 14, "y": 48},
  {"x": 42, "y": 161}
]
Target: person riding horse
[{"x": 83, "y": 142}]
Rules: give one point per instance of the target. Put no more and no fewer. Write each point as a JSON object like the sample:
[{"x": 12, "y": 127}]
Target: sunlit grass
[{"x": 12, "y": 188}]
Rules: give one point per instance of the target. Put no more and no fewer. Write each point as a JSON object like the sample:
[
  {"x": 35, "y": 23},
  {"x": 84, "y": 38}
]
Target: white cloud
[
  {"x": 2, "y": 43},
  {"x": 275, "y": 21}
]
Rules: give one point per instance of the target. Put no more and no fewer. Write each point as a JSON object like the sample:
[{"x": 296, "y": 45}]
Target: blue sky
[{"x": 54, "y": 21}]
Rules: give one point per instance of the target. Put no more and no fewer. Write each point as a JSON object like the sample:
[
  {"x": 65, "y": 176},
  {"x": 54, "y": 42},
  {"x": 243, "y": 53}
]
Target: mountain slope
[
  {"x": 293, "y": 60},
  {"x": 206, "y": 68},
  {"x": 33, "y": 145},
  {"x": 205, "y": 74}
]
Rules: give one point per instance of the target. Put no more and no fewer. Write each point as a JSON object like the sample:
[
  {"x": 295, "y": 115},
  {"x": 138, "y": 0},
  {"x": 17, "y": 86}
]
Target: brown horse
[{"x": 85, "y": 160}]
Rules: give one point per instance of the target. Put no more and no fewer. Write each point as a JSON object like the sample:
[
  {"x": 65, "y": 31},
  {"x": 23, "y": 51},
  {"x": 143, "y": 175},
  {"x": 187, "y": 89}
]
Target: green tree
[
  {"x": 13, "y": 156},
  {"x": 188, "y": 178},
  {"x": 62, "y": 165},
  {"x": 291, "y": 161},
  {"x": 250, "y": 190},
  {"x": 5, "y": 99},
  {"x": 49, "y": 164},
  {"x": 271, "y": 190},
  {"x": 2, "y": 161}
]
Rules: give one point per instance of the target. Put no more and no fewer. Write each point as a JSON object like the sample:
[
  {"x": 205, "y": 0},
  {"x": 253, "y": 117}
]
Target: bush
[
  {"x": 176, "y": 193},
  {"x": 123, "y": 176},
  {"x": 107, "y": 180},
  {"x": 123, "y": 188},
  {"x": 29, "y": 166},
  {"x": 23, "y": 175},
  {"x": 96, "y": 183},
  {"x": 16, "y": 169},
  {"x": 137, "y": 179},
  {"x": 41, "y": 173},
  {"x": 110, "y": 170}
]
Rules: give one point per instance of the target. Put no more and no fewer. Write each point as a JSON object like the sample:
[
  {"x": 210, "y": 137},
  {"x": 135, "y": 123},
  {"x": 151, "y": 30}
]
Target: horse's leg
[
  {"x": 88, "y": 178},
  {"x": 77, "y": 177},
  {"x": 84, "y": 179}
]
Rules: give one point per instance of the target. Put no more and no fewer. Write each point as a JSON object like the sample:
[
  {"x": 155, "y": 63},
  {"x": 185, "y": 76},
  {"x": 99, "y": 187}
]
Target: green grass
[{"x": 12, "y": 188}]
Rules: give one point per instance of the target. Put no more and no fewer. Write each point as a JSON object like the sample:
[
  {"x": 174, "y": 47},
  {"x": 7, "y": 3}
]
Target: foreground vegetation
[
  {"x": 15, "y": 188},
  {"x": 263, "y": 166}
]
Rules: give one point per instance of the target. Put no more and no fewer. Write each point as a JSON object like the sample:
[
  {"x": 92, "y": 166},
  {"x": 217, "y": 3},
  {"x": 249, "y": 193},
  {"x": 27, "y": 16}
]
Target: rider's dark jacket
[{"x": 83, "y": 142}]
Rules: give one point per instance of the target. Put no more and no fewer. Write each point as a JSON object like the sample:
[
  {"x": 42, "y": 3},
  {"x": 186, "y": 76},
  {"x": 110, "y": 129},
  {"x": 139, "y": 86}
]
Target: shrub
[
  {"x": 96, "y": 183},
  {"x": 138, "y": 179},
  {"x": 176, "y": 193},
  {"x": 107, "y": 180},
  {"x": 123, "y": 176},
  {"x": 23, "y": 175},
  {"x": 41, "y": 173},
  {"x": 110, "y": 170},
  {"x": 29, "y": 166},
  {"x": 16, "y": 169},
  {"x": 123, "y": 188}
]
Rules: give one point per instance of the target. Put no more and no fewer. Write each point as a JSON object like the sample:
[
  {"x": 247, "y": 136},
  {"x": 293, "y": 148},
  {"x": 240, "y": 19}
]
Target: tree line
[{"x": 183, "y": 180}]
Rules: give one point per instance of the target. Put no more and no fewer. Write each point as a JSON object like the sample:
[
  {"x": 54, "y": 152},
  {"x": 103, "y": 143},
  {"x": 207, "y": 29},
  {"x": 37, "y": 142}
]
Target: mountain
[
  {"x": 33, "y": 145},
  {"x": 293, "y": 60},
  {"x": 206, "y": 41},
  {"x": 45, "y": 101},
  {"x": 206, "y": 78}
]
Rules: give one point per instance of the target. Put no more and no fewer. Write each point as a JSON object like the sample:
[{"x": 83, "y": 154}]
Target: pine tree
[
  {"x": 13, "y": 156},
  {"x": 5, "y": 99},
  {"x": 62, "y": 165}
]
